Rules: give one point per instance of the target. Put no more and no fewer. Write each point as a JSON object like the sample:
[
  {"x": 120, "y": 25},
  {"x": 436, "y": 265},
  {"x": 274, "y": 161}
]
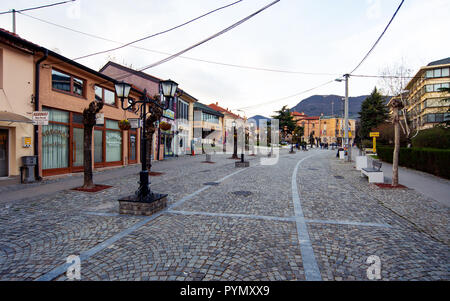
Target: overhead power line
[
  {"x": 379, "y": 38},
  {"x": 186, "y": 57},
  {"x": 209, "y": 38},
  {"x": 287, "y": 97},
  {"x": 159, "y": 33},
  {"x": 37, "y": 7},
  {"x": 387, "y": 76}
]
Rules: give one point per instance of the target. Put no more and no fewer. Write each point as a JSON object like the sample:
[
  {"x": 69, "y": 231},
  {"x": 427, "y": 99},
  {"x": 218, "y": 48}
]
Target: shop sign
[
  {"x": 169, "y": 114},
  {"x": 26, "y": 142},
  {"x": 99, "y": 119},
  {"x": 40, "y": 118},
  {"x": 135, "y": 123}
]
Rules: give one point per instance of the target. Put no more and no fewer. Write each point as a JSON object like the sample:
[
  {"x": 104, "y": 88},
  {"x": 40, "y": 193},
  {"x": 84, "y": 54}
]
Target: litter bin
[{"x": 27, "y": 169}]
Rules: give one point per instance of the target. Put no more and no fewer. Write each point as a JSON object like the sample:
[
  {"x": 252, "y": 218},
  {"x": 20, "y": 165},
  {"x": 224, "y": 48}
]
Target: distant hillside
[
  {"x": 318, "y": 104},
  {"x": 257, "y": 118}
]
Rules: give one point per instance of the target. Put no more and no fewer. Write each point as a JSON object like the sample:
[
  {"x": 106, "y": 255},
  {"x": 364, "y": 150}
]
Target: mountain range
[
  {"x": 329, "y": 105},
  {"x": 326, "y": 105}
]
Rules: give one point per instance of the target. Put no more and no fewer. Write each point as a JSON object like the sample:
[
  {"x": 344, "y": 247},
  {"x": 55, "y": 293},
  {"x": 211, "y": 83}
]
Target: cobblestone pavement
[{"x": 247, "y": 226}]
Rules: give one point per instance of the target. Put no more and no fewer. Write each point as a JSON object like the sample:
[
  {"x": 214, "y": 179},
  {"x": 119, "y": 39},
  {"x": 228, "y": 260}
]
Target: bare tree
[
  {"x": 396, "y": 105},
  {"x": 393, "y": 83},
  {"x": 89, "y": 121}
]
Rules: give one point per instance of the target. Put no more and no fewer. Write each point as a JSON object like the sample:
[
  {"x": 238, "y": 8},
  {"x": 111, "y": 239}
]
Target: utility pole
[
  {"x": 13, "y": 20},
  {"x": 347, "y": 141}
]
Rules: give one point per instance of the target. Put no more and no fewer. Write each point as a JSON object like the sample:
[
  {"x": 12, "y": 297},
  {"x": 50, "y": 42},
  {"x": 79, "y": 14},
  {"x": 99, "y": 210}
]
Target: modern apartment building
[{"x": 428, "y": 102}]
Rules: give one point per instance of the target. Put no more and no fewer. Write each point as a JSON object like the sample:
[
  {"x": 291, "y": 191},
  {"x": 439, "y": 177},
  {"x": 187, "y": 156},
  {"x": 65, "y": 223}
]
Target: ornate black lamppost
[
  {"x": 235, "y": 156},
  {"x": 168, "y": 88}
]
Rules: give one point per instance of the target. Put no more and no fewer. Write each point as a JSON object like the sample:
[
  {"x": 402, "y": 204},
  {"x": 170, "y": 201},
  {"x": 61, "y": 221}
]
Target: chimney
[{"x": 217, "y": 103}]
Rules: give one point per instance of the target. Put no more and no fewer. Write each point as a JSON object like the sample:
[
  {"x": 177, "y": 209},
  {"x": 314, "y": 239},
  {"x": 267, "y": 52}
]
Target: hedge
[
  {"x": 431, "y": 160},
  {"x": 437, "y": 137}
]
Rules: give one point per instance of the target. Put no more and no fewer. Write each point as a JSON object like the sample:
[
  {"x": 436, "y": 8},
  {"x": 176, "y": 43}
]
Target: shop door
[
  {"x": 168, "y": 151},
  {"x": 3, "y": 153}
]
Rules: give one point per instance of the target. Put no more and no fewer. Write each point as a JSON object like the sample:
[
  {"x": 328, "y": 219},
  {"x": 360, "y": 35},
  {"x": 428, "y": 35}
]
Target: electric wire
[
  {"x": 286, "y": 97},
  {"x": 379, "y": 38},
  {"x": 37, "y": 7},
  {"x": 209, "y": 38},
  {"x": 275, "y": 70},
  {"x": 172, "y": 56},
  {"x": 158, "y": 33}
]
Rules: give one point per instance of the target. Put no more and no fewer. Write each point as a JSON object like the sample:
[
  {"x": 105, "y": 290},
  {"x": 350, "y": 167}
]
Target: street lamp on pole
[
  {"x": 234, "y": 140},
  {"x": 168, "y": 88},
  {"x": 346, "y": 138}
]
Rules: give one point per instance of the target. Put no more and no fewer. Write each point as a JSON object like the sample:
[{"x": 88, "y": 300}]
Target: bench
[{"x": 374, "y": 174}]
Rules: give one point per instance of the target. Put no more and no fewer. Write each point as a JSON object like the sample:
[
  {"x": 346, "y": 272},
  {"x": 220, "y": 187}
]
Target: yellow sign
[
  {"x": 26, "y": 142},
  {"x": 374, "y": 134}
]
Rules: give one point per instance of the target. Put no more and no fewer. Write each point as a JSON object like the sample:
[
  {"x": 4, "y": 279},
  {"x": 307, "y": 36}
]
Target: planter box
[
  {"x": 242, "y": 164},
  {"x": 129, "y": 206}
]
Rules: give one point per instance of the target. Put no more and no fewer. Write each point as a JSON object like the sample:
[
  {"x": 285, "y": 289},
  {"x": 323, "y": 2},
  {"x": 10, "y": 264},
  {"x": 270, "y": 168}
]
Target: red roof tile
[{"x": 222, "y": 110}]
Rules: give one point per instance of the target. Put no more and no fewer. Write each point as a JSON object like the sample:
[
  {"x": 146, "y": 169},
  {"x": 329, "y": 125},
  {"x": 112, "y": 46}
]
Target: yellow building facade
[{"x": 16, "y": 106}]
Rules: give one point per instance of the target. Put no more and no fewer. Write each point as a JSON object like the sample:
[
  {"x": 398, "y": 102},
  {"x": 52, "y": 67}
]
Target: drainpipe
[{"x": 36, "y": 108}]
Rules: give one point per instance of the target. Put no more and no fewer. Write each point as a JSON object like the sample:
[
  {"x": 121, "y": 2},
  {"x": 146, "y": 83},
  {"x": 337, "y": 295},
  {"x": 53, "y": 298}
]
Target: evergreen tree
[
  {"x": 285, "y": 120},
  {"x": 373, "y": 112}
]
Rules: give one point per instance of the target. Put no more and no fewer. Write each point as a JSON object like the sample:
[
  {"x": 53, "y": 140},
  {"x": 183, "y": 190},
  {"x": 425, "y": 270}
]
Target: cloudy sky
[{"x": 324, "y": 37}]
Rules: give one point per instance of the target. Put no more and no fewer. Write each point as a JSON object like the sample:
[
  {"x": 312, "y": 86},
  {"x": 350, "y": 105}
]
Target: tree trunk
[
  {"x": 88, "y": 182},
  {"x": 396, "y": 148},
  {"x": 89, "y": 123}
]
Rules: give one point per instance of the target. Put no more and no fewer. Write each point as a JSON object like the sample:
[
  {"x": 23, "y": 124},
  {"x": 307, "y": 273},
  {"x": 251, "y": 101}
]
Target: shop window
[
  {"x": 77, "y": 118},
  {"x": 55, "y": 140}
]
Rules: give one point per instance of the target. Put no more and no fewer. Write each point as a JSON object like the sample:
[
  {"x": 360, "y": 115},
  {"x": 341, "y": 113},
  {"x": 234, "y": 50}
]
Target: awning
[{"x": 13, "y": 117}]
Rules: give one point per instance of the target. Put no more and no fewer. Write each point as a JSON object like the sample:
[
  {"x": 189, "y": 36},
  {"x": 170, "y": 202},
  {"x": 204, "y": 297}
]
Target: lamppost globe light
[
  {"x": 233, "y": 123},
  {"x": 169, "y": 87},
  {"x": 122, "y": 90}
]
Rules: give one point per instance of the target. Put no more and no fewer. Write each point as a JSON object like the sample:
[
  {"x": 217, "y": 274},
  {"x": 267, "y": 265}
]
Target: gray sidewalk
[
  {"x": 424, "y": 183},
  {"x": 427, "y": 184}
]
